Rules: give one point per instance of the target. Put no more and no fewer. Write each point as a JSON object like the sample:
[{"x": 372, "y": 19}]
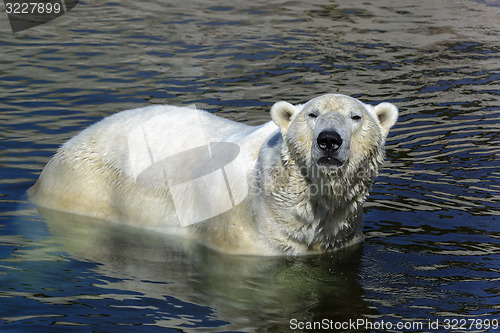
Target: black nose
[{"x": 329, "y": 141}]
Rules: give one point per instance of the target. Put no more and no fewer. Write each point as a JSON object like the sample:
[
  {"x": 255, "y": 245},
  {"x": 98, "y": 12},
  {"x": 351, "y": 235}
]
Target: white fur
[{"x": 281, "y": 201}]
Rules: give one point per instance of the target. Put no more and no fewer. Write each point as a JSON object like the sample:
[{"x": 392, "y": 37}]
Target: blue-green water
[{"x": 432, "y": 247}]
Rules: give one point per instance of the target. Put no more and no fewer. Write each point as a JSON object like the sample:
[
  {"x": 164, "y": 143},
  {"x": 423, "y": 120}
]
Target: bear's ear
[
  {"x": 282, "y": 113},
  {"x": 387, "y": 114}
]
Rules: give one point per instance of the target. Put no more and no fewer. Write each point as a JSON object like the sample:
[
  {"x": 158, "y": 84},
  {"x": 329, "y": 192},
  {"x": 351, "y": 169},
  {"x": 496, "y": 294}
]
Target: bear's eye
[
  {"x": 356, "y": 117},
  {"x": 313, "y": 115}
]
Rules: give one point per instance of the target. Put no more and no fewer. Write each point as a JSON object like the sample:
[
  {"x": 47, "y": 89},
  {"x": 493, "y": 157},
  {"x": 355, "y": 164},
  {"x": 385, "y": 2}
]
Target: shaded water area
[{"x": 432, "y": 247}]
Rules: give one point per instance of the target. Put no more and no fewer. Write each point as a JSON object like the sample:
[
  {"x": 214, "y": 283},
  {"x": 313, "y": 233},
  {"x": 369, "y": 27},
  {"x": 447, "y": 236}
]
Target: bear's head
[{"x": 335, "y": 134}]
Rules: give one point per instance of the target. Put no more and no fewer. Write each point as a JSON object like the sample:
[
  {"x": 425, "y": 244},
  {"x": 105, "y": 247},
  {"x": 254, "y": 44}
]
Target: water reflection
[{"x": 241, "y": 291}]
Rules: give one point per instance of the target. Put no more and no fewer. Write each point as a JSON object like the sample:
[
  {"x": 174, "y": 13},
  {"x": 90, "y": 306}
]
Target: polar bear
[{"x": 294, "y": 185}]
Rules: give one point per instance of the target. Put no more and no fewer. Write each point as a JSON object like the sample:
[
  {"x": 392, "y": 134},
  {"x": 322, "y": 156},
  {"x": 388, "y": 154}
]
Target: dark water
[{"x": 432, "y": 248}]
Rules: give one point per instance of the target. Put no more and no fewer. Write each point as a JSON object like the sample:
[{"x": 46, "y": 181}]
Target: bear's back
[{"x": 97, "y": 172}]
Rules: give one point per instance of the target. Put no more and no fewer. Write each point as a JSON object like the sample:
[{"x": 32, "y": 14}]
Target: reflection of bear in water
[
  {"x": 155, "y": 275},
  {"x": 304, "y": 181}
]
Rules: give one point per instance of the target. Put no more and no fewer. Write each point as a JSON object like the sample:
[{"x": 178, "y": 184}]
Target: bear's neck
[{"x": 317, "y": 212}]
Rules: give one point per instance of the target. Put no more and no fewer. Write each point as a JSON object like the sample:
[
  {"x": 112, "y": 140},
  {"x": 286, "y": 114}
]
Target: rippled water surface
[{"x": 432, "y": 247}]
